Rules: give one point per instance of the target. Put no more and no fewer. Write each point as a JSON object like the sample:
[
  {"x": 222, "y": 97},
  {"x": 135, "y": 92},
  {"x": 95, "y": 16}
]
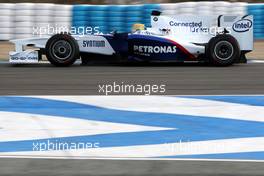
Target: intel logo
[{"x": 242, "y": 25}]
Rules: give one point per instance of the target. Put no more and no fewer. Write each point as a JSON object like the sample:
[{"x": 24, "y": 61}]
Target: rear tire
[
  {"x": 223, "y": 50},
  {"x": 62, "y": 50}
]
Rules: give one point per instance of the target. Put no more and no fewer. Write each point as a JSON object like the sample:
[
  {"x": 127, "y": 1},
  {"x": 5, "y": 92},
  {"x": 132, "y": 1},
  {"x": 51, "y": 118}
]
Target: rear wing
[
  {"x": 239, "y": 27},
  {"x": 200, "y": 29}
]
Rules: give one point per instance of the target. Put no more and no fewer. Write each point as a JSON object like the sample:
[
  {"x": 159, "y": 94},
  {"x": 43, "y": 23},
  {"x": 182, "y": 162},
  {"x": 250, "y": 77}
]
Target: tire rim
[
  {"x": 224, "y": 50},
  {"x": 61, "y": 49}
]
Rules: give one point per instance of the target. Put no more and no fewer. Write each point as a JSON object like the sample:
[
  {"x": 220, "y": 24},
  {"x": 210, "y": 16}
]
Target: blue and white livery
[{"x": 170, "y": 39}]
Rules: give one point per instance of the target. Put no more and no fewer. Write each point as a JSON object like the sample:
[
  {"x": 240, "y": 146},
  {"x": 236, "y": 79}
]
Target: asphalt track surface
[
  {"x": 195, "y": 79},
  {"x": 44, "y": 79},
  {"x": 100, "y": 167}
]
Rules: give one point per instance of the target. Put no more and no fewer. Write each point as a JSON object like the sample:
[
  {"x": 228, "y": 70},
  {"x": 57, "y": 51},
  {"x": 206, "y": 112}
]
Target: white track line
[
  {"x": 78, "y": 62},
  {"x": 255, "y": 61},
  {"x": 23, "y": 126},
  {"x": 172, "y": 105},
  {"x": 159, "y": 150},
  {"x": 132, "y": 159}
]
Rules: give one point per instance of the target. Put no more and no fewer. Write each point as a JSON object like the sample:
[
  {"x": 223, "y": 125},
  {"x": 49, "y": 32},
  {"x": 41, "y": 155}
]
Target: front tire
[
  {"x": 62, "y": 50},
  {"x": 223, "y": 50}
]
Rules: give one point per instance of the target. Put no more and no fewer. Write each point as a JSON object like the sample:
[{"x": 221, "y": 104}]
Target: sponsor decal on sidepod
[
  {"x": 242, "y": 25},
  {"x": 155, "y": 49},
  {"x": 186, "y": 24},
  {"x": 93, "y": 43}
]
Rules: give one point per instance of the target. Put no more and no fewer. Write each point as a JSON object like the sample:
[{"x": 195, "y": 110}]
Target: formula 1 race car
[{"x": 220, "y": 41}]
